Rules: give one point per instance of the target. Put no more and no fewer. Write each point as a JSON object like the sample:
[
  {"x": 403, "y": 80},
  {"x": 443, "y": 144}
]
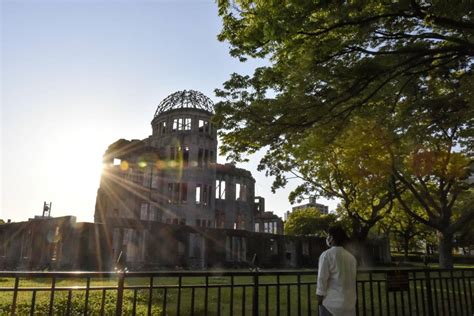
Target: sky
[{"x": 78, "y": 75}]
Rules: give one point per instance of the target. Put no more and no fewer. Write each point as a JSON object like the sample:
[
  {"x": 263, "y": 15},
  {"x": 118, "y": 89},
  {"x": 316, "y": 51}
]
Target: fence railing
[{"x": 379, "y": 292}]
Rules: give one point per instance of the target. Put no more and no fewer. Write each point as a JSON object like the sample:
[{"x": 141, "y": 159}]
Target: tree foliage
[
  {"x": 406, "y": 233},
  {"x": 330, "y": 59},
  {"x": 309, "y": 221},
  {"x": 402, "y": 70}
]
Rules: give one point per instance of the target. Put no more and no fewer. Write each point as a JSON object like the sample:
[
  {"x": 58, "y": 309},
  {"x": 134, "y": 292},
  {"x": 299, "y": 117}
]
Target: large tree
[
  {"x": 351, "y": 168},
  {"x": 333, "y": 61},
  {"x": 405, "y": 232},
  {"x": 309, "y": 221}
]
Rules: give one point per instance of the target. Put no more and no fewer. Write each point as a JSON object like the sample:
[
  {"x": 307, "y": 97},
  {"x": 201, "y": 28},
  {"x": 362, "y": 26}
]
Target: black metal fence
[{"x": 379, "y": 292}]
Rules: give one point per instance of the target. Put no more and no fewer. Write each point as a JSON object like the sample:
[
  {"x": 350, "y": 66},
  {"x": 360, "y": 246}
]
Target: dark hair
[{"x": 338, "y": 234}]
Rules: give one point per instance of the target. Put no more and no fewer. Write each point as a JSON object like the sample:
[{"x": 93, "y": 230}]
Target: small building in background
[{"x": 324, "y": 209}]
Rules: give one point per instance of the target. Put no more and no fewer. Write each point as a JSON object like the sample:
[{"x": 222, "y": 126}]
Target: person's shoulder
[
  {"x": 350, "y": 255},
  {"x": 325, "y": 253}
]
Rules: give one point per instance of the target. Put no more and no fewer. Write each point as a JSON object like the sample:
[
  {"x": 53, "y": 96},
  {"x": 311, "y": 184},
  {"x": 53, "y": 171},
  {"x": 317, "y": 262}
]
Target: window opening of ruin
[
  {"x": 181, "y": 124},
  {"x": 206, "y": 158},
  {"x": 144, "y": 211},
  {"x": 220, "y": 189},
  {"x": 170, "y": 192},
  {"x": 155, "y": 179},
  {"x": 198, "y": 222},
  {"x": 185, "y": 156},
  {"x": 237, "y": 191},
  {"x": 205, "y": 190},
  {"x": 187, "y": 124},
  {"x": 184, "y": 193},
  {"x": 209, "y": 196},
  {"x": 176, "y": 193},
  {"x": 241, "y": 192},
  {"x": 117, "y": 162},
  {"x": 204, "y": 126},
  {"x": 147, "y": 177},
  {"x": 153, "y": 213},
  {"x": 162, "y": 128},
  {"x": 200, "y": 156},
  {"x": 198, "y": 194}
]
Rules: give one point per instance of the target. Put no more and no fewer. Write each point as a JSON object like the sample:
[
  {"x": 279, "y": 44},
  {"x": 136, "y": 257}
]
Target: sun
[{"x": 72, "y": 167}]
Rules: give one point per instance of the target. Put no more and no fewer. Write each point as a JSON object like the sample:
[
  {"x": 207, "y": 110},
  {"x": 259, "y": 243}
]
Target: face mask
[{"x": 329, "y": 241}]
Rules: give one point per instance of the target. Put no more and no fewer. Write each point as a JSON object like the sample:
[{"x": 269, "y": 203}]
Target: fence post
[
  {"x": 255, "y": 293},
  {"x": 121, "y": 281},
  {"x": 15, "y": 295},
  {"x": 429, "y": 293}
]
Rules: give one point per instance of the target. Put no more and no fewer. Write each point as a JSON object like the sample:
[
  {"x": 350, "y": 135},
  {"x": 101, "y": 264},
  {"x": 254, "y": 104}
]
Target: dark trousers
[{"x": 323, "y": 311}]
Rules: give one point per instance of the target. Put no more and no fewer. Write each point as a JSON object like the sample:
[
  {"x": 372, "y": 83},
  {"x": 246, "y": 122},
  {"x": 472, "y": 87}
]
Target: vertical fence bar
[
  {"x": 219, "y": 300},
  {"x": 231, "y": 295},
  {"x": 150, "y": 294},
  {"x": 134, "y": 307},
  {"x": 470, "y": 290},
  {"x": 463, "y": 277},
  {"x": 423, "y": 305},
  {"x": 364, "y": 304},
  {"x": 121, "y": 282},
  {"x": 69, "y": 297},
  {"x": 357, "y": 299},
  {"x": 436, "y": 299},
  {"x": 86, "y": 303},
  {"x": 278, "y": 295},
  {"x": 288, "y": 300},
  {"x": 15, "y": 295},
  {"x": 454, "y": 293},
  {"x": 395, "y": 304},
  {"x": 308, "y": 298},
  {"x": 429, "y": 293},
  {"x": 409, "y": 295},
  {"x": 255, "y": 294},
  {"x": 416, "y": 294},
  {"x": 402, "y": 298},
  {"x": 178, "y": 302},
  {"x": 371, "y": 288},
  {"x": 447, "y": 294},
  {"x": 51, "y": 297},
  {"x": 387, "y": 297},
  {"x": 298, "y": 287},
  {"x": 192, "y": 300},
  {"x": 102, "y": 303},
  {"x": 461, "y": 305},
  {"x": 379, "y": 292},
  {"x": 33, "y": 303},
  {"x": 243, "y": 300},
  {"x": 206, "y": 294},
  {"x": 266, "y": 300},
  {"x": 442, "y": 291},
  {"x": 165, "y": 294}
]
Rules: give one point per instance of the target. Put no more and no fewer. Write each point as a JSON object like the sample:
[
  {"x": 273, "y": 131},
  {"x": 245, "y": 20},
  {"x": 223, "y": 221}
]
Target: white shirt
[{"x": 337, "y": 274}]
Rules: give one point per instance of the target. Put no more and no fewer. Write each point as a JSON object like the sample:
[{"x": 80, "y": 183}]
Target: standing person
[{"x": 337, "y": 272}]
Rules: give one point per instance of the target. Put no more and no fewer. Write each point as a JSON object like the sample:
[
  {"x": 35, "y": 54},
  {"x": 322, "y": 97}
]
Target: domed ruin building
[{"x": 172, "y": 176}]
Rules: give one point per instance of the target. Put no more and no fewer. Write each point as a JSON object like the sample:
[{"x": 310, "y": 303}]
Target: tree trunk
[
  {"x": 405, "y": 247},
  {"x": 445, "y": 251}
]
